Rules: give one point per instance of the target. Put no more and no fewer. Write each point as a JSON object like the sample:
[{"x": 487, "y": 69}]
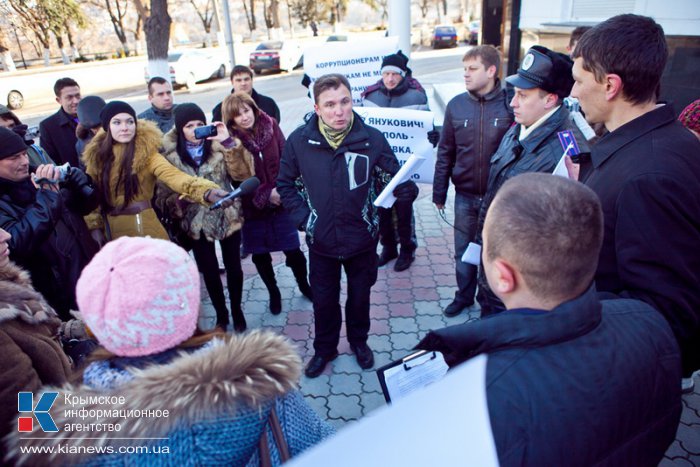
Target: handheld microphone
[{"x": 248, "y": 186}]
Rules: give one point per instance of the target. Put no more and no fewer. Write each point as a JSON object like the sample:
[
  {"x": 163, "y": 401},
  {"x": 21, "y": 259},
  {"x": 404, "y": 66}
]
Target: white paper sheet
[
  {"x": 419, "y": 372},
  {"x": 386, "y": 198},
  {"x": 445, "y": 424},
  {"x": 472, "y": 255},
  {"x": 560, "y": 169}
]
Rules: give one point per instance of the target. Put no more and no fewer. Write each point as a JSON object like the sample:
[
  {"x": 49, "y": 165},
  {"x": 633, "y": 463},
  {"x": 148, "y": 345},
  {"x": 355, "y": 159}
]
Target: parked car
[
  {"x": 276, "y": 56},
  {"x": 444, "y": 36},
  {"x": 12, "y": 96},
  {"x": 471, "y": 32},
  {"x": 188, "y": 67},
  {"x": 337, "y": 38}
]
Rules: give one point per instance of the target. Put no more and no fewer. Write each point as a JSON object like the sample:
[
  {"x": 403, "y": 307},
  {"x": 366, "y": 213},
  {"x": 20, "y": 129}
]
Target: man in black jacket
[
  {"x": 44, "y": 217},
  {"x": 332, "y": 169},
  {"x": 475, "y": 122},
  {"x": 57, "y": 132},
  {"x": 544, "y": 132},
  {"x": 571, "y": 379},
  {"x": 242, "y": 81},
  {"x": 646, "y": 171}
]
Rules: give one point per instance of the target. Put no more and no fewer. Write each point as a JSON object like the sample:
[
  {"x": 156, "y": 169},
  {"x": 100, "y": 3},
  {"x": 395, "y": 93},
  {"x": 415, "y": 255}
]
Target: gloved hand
[
  {"x": 76, "y": 178},
  {"x": 406, "y": 191},
  {"x": 434, "y": 137}
]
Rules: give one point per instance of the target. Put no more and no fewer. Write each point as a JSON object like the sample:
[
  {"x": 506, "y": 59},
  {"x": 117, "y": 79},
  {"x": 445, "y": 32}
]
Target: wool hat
[
  {"x": 6, "y": 112},
  {"x": 10, "y": 143},
  {"x": 398, "y": 63},
  {"x": 140, "y": 296},
  {"x": 187, "y": 112},
  {"x": 112, "y": 109},
  {"x": 545, "y": 69},
  {"x": 89, "y": 109},
  {"x": 690, "y": 117}
]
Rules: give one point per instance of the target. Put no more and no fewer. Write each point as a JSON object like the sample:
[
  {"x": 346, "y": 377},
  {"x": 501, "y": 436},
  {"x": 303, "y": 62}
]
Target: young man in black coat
[
  {"x": 57, "y": 132},
  {"x": 332, "y": 169},
  {"x": 646, "y": 171},
  {"x": 571, "y": 379},
  {"x": 242, "y": 81}
]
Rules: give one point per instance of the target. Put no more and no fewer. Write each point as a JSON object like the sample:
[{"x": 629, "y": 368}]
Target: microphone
[{"x": 248, "y": 186}]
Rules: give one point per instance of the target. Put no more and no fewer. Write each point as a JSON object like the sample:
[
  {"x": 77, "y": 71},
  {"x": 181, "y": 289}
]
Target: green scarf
[{"x": 333, "y": 136}]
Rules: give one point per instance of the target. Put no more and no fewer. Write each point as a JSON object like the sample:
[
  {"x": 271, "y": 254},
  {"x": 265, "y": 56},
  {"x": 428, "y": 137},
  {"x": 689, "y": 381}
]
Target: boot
[
  {"x": 263, "y": 263},
  {"x": 239, "y": 324},
  {"x": 388, "y": 253},
  {"x": 296, "y": 261}
]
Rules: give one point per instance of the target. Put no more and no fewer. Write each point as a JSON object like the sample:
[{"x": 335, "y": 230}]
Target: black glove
[
  {"x": 406, "y": 191},
  {"x": 434, "y": 137},
  {"x": 78, "y": 181}
]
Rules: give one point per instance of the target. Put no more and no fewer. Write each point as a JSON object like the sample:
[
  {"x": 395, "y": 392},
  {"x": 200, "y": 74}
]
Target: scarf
[
  {"x": 196, "y": 151},
  {"x": 257, "y": 138},
  {"x": 333, "y": 136}
]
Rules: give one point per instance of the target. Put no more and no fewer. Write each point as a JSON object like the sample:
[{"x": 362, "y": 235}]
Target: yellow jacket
[{"x": 149, "y": 166}]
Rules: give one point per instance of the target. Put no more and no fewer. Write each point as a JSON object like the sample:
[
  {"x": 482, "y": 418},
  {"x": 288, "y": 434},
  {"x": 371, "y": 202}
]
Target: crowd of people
[{"x": 587, "y": 284}]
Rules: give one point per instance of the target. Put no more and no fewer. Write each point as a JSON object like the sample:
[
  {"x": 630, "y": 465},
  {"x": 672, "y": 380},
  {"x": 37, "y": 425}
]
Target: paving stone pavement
[{"x": 405, "y": 305}]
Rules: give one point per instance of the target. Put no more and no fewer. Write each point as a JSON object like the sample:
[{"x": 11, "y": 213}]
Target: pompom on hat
[{"x": 140, "y": 296}]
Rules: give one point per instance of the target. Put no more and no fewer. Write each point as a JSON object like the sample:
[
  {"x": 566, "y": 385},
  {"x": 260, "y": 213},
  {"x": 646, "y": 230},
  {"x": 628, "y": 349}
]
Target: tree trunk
[
  {"x": 7, "y": 63},
  {"x": 47, "y": 57},
  {"x": 157, "y": 29}
]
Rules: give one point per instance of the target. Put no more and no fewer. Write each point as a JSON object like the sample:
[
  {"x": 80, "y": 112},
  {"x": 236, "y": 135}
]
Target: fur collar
[
  {"x": 243, "y": 370},
  {"x": 148, "y": 141},
  {"x": 260, "y": 137},
  {"x": 19, "y": 300}
]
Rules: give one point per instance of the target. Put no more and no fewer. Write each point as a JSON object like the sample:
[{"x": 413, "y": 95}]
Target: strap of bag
[{"x": 278, "y": 436}]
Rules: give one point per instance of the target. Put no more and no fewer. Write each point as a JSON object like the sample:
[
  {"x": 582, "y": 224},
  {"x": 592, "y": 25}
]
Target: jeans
[
  {"x": 324, "y": 275},
  {"x": 466, "y": 218}
]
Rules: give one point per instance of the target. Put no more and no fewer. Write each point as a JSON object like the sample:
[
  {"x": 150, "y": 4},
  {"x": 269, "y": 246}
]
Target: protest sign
[
  {"x": 359, "y": 61},
  {"x": 407, "y": 133}
]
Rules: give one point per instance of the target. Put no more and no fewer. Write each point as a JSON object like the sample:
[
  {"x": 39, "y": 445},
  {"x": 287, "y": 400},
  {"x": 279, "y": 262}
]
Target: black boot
[
  {"x": 296, "y": 261},
  {"x": 263, "y": 263},
  {"x": 239, "y": 324}
]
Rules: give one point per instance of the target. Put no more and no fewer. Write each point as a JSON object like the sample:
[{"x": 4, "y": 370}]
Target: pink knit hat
[{"x": 140, "y": 296}]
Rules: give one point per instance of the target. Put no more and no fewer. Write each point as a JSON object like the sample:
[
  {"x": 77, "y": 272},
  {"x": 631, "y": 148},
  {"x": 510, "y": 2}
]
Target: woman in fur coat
[
  {"x": 124, "y": 162},
  {"x": 32, "y": 355},
  {"x": 223, "y": 393},
  {"x": 206, "y": 159},
  {"x": 267, "y": 226}
]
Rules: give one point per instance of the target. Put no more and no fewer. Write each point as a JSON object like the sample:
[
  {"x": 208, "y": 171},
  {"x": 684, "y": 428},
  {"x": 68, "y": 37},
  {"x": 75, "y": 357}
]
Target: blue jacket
[
  {"x": 329, "y": 192},
  {"x": 588, "y": 383},
  {"x": 217, "y": 400}
]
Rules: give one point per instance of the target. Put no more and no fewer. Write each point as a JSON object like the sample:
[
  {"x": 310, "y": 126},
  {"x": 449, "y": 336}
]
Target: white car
[
  {"x": 10, "y": 95},
  {"x": 191, "y": 66}
]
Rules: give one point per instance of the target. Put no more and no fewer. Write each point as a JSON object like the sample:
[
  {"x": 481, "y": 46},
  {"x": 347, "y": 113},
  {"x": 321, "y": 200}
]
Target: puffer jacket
[
  {"x": 472, "y": 130},
  {"x": 49, "y": 236},
  {"x": 329, "y": 193},
  {"x": 589, "y": 383},
  {"x": 194, "y": 218},
  {"x": 408, "y": 94},
  {"x": 218, "y": 402}
]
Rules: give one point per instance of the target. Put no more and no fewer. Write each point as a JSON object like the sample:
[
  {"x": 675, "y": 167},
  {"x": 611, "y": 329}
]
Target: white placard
[
  {"x": 359, "y": 60},
  {"x": 406, "y": 130},
  {"x": 444, "y": 424},
  {"x": 386, "y": 198}
]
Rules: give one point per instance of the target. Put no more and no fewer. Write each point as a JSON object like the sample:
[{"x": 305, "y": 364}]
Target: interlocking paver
[
  {"x": 379, "y": 343},
  {"x": 404, "y": 341},
  {"x": 345, "y": 384},
  {"x": 372, "y": 401},
  {"x": 401, "y": 324},
  {"x": 345, "y": 407}
]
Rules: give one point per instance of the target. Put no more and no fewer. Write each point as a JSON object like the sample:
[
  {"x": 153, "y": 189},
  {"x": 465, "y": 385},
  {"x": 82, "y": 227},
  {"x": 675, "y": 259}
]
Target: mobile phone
[{"x": 204, "y": 131}]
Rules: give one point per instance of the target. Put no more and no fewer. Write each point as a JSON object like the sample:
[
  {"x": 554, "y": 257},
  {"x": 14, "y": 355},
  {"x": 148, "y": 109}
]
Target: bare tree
[
  {"x": 156, "y": 25},
  {"x": 206, "y": 15},
  {"x": 5, "y": 56},
  {"x": 250, "y": 15},
  {"x": 304, "y": 11},
  {"x": 118, "y": 13},
  {"x": 424, "y": 5}
]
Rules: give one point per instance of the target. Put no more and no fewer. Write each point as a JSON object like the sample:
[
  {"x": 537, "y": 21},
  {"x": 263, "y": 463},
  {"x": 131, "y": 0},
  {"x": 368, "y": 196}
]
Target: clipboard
[{"x": 412, "y": 372}]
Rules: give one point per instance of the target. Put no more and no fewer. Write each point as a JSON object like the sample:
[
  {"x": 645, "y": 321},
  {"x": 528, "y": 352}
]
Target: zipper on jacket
[{"x": 481, "y": 142}]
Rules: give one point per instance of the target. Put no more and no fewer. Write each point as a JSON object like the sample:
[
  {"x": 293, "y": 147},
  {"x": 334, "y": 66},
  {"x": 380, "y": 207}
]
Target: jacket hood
[
  {"x": 19, "y": 300},
  {"x": 148, "y": 141},
  {"x": 240, "y": 371}
]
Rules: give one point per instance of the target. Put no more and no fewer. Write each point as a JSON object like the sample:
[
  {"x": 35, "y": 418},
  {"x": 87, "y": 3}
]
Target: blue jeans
[{"x": 466, "y": 218}]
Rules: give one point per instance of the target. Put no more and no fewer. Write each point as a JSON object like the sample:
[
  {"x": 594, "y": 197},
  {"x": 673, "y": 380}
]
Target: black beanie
[
  {"x": 114, "y": 108},
  {"x": 89, "y": 109},
  {"x": 10, "y": 143},
  {"x": 397, "y": 63},
  {"x": 186, "y": 113}
]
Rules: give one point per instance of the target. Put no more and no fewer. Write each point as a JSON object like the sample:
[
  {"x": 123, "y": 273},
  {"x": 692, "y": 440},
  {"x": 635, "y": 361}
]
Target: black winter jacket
[
  {"x": 647, "y": 175},
  {"x": 471, "y": 132},
  {"x": 404, "y": 96},
  {"x": 49, "y": 237},
  {"x": 58, "y": 138},
  {"x": 329, "y": 193},
  {"x": 588, "y": 383}
]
